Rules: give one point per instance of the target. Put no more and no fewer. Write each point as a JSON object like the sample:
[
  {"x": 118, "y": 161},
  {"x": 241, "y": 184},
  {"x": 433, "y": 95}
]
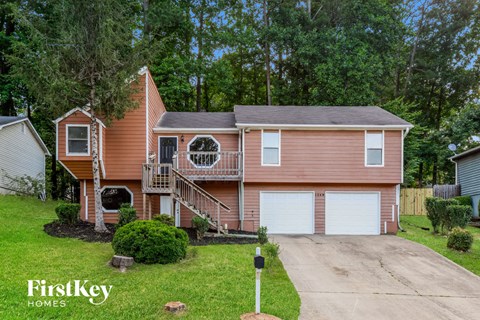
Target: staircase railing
[
  {"x": 198, "y": 200},
  {"x": 157, "y": 178},
  {"x": 224, "y": 165}
]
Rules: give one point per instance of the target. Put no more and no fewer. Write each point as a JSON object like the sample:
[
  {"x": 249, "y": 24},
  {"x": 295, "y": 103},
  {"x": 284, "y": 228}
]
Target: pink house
[{"x": 297, "y": 170}]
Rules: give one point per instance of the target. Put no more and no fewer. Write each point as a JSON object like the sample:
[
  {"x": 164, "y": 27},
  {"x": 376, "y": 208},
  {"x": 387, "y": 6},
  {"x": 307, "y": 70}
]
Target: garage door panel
[
  {"x": 287, "y": 212},
  {"x": 352, "y": 213}
]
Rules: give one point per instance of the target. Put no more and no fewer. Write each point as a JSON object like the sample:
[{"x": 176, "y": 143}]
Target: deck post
[
  {"x": 149, "y": 207},
  {"x": 219, "y": 225},
  {"x": 144, "y": 205}
]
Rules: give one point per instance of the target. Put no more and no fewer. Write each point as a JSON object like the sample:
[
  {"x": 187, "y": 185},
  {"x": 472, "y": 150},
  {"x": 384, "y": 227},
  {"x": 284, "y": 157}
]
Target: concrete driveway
[{"x": 376, "y": 277}]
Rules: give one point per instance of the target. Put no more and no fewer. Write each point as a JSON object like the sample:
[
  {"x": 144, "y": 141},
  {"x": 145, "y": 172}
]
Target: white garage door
[
  {"x": 287, "y": 212},
  {"x": 352, "y": 213}
]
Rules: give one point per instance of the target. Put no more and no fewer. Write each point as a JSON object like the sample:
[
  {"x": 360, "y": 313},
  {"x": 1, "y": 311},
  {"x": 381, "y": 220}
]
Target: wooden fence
[
  {"x": 446, "y": 191},
  {"x": 412, "y": 200}
]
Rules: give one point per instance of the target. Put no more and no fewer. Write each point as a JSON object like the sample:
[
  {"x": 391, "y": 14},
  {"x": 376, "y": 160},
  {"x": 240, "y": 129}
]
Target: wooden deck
[{"x": 209, "y": 166}]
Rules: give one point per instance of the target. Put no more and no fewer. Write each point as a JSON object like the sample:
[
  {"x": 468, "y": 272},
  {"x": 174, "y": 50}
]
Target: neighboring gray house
[
  {"x": 467, "y": 175},
  {"x": 22, "y": 151}
]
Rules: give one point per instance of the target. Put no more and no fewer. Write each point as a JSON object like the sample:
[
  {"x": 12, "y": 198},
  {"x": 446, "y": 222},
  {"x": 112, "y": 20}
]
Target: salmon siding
[{"x": 270, "y": 150}]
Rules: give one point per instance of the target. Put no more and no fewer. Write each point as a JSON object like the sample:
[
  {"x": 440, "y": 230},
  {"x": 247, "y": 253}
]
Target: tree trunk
[
  {"x": 199, "y": 59},
  {"x": 420, "y": 175},
  {"x": 267, "y": 54},
  {"x": 53, "y": 178},
  {"x": 414, "y": 51},
  {"x": 99, "y": 223}
]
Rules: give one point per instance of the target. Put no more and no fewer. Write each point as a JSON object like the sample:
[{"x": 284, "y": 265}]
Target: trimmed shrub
[
  {"x": 459, "y": 216},
  {"x": 201, "y": 226},
  {"x": 126, "y": 214},
  {"x": 165, "y": 219},
  {"x": 271, "y": 251},
  {"x": 68, "y": 213},
  {"x": 460, "y": 239},
  {"x": 464, "y": 200},
  {"x": 150, "y": 242},
  {"x": 262, "y": 235},
  {"x": 432, "y": 213},
  {"x": 442, "y": 205}
]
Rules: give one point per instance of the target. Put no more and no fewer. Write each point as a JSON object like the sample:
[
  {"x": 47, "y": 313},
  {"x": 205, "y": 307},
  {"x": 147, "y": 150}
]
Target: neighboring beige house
[
  {"x": 22, "y": 151},
  {"x": 297, "y": 170}
]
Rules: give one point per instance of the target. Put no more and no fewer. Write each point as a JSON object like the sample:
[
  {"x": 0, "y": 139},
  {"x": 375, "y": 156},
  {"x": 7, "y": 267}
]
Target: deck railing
[
  {"x": 157, "y": 178},
  {"x": 224, "y": 165}
]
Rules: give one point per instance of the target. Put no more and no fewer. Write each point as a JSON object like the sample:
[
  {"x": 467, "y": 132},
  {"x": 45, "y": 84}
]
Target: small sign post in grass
[{"x": 259, "y": 263}]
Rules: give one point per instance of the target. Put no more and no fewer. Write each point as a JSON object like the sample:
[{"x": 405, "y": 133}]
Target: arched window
[
  {"x": 204, "y": 151},
  {"x": 114, "y": 197}
]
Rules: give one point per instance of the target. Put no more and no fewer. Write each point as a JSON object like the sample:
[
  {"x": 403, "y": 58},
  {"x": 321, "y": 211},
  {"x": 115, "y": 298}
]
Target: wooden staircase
[
  {"x": 163, "y": 179},
  {"x": 199, "y": 201}
]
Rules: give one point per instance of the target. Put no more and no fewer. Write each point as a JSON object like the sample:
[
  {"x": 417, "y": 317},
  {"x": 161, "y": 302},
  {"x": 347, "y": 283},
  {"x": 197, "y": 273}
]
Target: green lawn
[
  {"x": 216, "y": 283},
  {"x": 469, "y": 260}
]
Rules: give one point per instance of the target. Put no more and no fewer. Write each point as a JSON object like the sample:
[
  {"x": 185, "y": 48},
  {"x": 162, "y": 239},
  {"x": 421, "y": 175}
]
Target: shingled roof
[
  {"x": 283, "y": 116},
  {"x": 328, "y": 116},
  {"x": 200, "y": 120},
  {"x": 6, "y": 120}
]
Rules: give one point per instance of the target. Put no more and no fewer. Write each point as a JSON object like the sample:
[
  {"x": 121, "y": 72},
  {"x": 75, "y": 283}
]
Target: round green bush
[
  {"x": 460, "y": 239},
  {"x": 165, "y": 219},
  {"x": 150, "y": 242}
]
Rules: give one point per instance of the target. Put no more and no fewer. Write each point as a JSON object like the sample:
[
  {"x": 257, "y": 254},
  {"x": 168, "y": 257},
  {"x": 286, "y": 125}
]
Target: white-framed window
[
  {"x": 374, "y": 149},
  {"x": 271, "y": 148},
  {"x": 204, "y": 151},
  {"x": 78, "y": 139},
  {"x": 114, "y": 196}
]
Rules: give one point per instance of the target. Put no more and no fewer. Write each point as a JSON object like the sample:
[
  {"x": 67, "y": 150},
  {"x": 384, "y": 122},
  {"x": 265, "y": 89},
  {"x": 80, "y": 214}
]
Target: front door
[{"x": 168, "y": 147}]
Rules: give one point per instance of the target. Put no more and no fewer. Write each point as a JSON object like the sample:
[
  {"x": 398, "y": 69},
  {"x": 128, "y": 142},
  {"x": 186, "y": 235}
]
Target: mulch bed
[
  {"x": 86, "y": 231},
  {"x": 192, "y": 234},
  {"x": 81, "y": 230},
  {"x": 475, "y": 222}
]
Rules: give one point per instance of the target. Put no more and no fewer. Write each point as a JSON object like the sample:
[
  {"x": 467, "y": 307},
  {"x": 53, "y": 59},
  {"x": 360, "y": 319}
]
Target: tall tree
[
  {"x": 83, "y": 54},
  {"x": 442, "y": 75},
  {"x": 7, "y": 37}
]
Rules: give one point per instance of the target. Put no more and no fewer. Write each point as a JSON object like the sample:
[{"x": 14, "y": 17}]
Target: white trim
[
  {"x": 291, "y": 191},
  {"x": 196, "y": 130},
  {"x": 68, "y": 170},
  {"x": 69, "y": 113},
  {"x": 204, "y": 136},
  {"x": 102, "y": 165},
  {"x": 320, "y": 126},
  {"x": 158, "y": 145},
  {"x": 279, "y": 151},
  {"x": 402, "y": 164},
  {"x": 379, "y": 219},
  {"x": 116, "y": 187},
  {"x": 243, "y": 155},
  {"x": 146, "y": 117},
  {"x": 456, "y": 172},
  {"x": 393, "y": 212},
  {"x": 385, "y": 226},
  {"x": 56, "y": 141},
  {"x": 142, "y": 70},
  {"x": 77, "y": 154},
  {"x": 383, "y": 150},
  {"x": 12, "y": 123},
  {"x": 85, "y": 198}
]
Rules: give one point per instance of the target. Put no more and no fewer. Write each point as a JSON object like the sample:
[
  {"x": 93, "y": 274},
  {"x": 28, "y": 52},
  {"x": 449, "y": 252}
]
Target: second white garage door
[
  {"x": 287, "y": 212},
  {"x": 354, "y": 213}
]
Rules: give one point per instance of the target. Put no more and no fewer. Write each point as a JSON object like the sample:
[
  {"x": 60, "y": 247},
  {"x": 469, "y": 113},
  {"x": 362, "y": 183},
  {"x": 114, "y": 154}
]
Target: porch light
[{"x": 182, "y": 138}]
